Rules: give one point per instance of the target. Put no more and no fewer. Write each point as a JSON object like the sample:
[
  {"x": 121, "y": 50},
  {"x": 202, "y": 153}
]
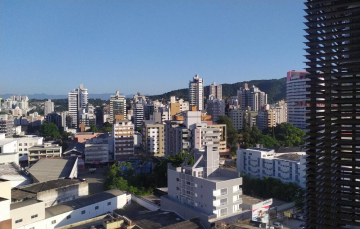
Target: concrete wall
[
  {"x": 5, "y": 189},
  {"x": 25, "y": 214},
  {"x": 56, "y": 196},
  {"x": 5, "y": 210}
]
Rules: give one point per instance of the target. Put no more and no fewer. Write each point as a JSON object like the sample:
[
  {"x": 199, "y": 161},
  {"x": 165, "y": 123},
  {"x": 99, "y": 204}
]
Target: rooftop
[
  {"x": 81, "y": 202},
  {"x": 282, "y": 149},
  {"x": 23, "y": 204},
  {"x": 85, "y": 133},
  {"x": 76, "y": 146},
  {"x": 52, "y": 168},
  {"x": 147, "y": 219},
  {"x": 9, "y": 172},
  {"x": 290, "y": 157},
  {"x": 250, "y": 200},
  {"x": 7, "y": 141},
  {"x": 30, "y": 191}
]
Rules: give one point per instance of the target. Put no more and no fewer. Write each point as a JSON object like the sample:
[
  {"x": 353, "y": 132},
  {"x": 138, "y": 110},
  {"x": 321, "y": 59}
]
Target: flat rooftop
[
  {"x": 8, "y": 172},
  {"x": 81, "y": 202},
  {"x": 7, "y": 141},
  {"x": 250, "y": 200},
  {"x": 290, "y": 157},
  {"x": 44, "y": 147},
  {"x": 147, "y": 219},
  {"x": 23, "y": 204}
]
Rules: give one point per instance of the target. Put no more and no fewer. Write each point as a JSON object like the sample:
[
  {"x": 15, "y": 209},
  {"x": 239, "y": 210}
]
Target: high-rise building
[
  {"x": 117, "y": 106},
  {"x": 215, "y": 107},
  {"x": 215, "y": 90},
  {"x": 296, "y": 98},
  {"x": 77, "y": 99},
  {"x": 123, "y": 133},
  {"x": 138, "y": 114},
  {"x": 251, "y": 97},
  {"x": 152, "y": 135},
  {"x": 237, "y": 116},
  {"x": 196, "y": 93},
  {"x": 48, "y": 107},
  {"x": 333, "y": 114}
]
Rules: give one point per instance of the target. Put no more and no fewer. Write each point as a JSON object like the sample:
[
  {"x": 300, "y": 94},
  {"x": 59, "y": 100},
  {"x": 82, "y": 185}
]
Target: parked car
[
  {"x": 277, "y": 225},
  {"x": 301, "y": 226},
  {"x": 301, "y": 217}
]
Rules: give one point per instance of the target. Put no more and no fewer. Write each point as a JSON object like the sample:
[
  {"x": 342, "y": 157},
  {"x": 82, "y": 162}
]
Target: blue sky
[{"x": 145, "y": 46}]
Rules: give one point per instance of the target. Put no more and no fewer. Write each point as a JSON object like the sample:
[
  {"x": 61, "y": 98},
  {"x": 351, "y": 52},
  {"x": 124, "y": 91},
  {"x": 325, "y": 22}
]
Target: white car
[{"x": 277, "y": 225}]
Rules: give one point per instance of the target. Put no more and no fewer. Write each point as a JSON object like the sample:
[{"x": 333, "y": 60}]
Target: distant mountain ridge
[{"x": 274, "y": 88}]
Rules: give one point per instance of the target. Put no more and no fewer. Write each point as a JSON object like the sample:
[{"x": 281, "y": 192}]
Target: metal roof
[
  {"x": 52, "y": 168},
  {"x": 81, "y": 202}
]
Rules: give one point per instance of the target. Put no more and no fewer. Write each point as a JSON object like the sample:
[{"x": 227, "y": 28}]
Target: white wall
[{"x": 5, "y": 210}]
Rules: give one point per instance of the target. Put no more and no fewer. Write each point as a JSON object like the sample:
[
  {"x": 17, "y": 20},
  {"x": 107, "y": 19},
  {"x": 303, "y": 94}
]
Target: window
[
  {"x": 53, "y": 222},
  {"x": 34, "y": 216},
  {"x": 223, "y": 201},
  {"x": 109, "y": 203},
  {"x": 25, "y": 149},
  {"x": 20, "y": 149},
  {"x": 177, "y": 179},
  {"x": 25, "y": 144},
  {"x": 18, "y": 221},
  {"x": 68, "y": 217},
  {"x": 223, "y": 211},
  {"x": 20, "y": 144},
  {"x": 30, "y": 144},
  {"x": 223, "y": 191},
  {"x": 83, "y": 212},
  {"x": 96, "y": 207},
  {"x": 32, "y": 228}
]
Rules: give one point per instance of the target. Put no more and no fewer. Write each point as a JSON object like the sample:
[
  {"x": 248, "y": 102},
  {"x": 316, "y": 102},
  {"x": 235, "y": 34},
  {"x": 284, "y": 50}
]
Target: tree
[
  {"x": 49, "y": 130},
  {"x": 93, "y": 128},
  {"x": 267, "y": 141},
  {"x": 287, "y": 135},
  {"x": 138, "y": 129},
  {"x": 106, "y": 128},
  {"x": 232, "y": 134}
]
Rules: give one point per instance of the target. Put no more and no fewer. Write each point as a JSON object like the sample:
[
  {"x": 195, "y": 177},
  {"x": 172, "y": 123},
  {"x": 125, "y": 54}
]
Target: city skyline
[{"x": 117, "y": 42}]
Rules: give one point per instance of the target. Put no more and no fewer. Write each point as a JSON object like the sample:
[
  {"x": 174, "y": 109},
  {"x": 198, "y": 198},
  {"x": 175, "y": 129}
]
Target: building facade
[
  {"x": 117, "y": 106},
  {"x": 152, "y": 135},
  {"x": 333, "y": 184},
  {"x": 215, "y": 90},
  {"x": 196, "y": 93},
  {"x": 48, "y": 107},
  {"x": 296, "y": 91},
  {"x": 215, "y": 107},
  {"x": 96, "y": 153},
  {"x": 251, "y": 97},
  {"x": 237, "y": 116},
  {"x": 123, "y": 133},
  {"x": 7, "y": 127},
  {"x": 47, "y": 150},
  {"x": 260, "y": 163},
  {"x": 77, "y": 99},
  {"x": 208, "y": 191}
]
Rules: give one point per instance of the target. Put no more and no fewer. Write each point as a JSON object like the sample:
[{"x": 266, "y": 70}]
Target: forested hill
[{"x": 275, "y": 89}]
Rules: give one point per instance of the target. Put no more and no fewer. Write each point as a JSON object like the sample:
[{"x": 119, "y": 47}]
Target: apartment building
[
  {"x": 138, "y": 114},
  {"x": 123, "y": 134},
  {"x": 117, "y": 106},
  {"x": 196, "y": 93},
  {"x": 153, "y": 135},
  {"x": 204, "y": 190},
  {"x": 251, "y": 97},
  {"x": 96, "y": 153},
  {"x": 215, "y": 90},
  {"x": 48, "y": 107},
  {"x": 25, "y": 143},
  {"x": 47, "y": 150},
  {"x": 7, "y": 127},
  {"x": 77, "y": 99},
  {"x": 287, "y": 165},
  {"x": 237, "y": 116},
  {"x": 215, "y": 107}
]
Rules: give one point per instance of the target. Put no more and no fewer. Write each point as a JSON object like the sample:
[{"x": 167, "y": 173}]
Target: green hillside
[{"x": 274, "y": 88}]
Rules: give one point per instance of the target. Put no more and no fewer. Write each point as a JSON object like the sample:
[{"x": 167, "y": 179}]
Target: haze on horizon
[{"x": 145, "y": 46}]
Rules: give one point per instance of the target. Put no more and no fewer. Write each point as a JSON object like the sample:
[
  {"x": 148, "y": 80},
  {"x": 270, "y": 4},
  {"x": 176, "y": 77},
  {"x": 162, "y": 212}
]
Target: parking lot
[{"x": 95, "y": 180}]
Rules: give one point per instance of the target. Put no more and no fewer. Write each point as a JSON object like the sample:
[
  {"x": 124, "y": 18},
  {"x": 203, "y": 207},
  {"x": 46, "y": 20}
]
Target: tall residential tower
[
  {"x": 117, "y": 106},
  {"x": 196, "y": 93},
  {"x": 77, "y": 99}
]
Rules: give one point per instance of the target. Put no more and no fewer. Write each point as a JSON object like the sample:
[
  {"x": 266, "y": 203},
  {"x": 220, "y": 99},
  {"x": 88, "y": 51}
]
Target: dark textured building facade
[{"x": 333, "y": 139}]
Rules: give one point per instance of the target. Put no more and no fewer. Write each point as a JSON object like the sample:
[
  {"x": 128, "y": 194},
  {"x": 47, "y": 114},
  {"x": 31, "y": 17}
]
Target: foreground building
[
  {"x": 204, "y": 190},
  {"x": 333, "y": 182}
]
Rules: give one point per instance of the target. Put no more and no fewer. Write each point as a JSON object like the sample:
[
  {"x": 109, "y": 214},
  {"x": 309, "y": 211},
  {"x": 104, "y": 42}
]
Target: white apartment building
[
  {"x": 48, "y": 107},
  {"x": 47, "y": 150},
  {"x": 237, "y": 116},
  {"x": 77, "y": 99},
  {"x": 296, "y": 98},
  {"x": 8, "y": 150},
  {"x": 286, "y": 166},
  {"x": 117, "y": 106},
  {"x": 196, "y": 93},
  {"x": 204, "y": 190},
  {"x": 25, "y": 143},
  {"x": 123, "y": 134},
  {"x": 96, "y": 153}
]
